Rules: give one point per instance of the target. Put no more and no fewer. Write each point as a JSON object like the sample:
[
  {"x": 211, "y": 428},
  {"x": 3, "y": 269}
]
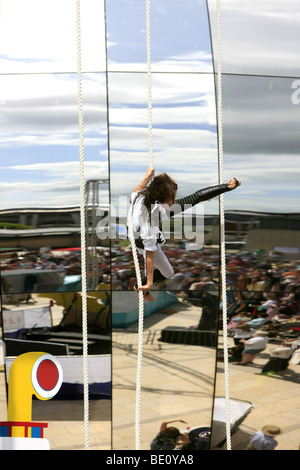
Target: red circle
[{"x": 47, "y": 375}]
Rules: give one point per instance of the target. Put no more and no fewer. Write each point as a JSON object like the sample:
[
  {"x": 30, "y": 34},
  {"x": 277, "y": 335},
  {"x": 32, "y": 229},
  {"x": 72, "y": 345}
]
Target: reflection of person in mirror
[
  {"x": 153, "y": 201},
  {"x": 167, "y": 437},
  {"x": 264, "y": 439},
  {"x": 253, "y": 346}
]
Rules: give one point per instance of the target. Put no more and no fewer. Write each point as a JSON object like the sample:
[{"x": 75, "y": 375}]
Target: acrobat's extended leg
[{"x": 164, "y": 269}]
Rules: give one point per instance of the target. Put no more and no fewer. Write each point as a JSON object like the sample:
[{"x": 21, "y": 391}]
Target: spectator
[
  {"x": 279, "y": 358},
  {"x": 167, "y": 436},
  {"x": 264, "y": 439},
  {"x": 253, "y": 346}
]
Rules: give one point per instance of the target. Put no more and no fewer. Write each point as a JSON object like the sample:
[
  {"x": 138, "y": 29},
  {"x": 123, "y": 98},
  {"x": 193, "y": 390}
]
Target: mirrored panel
[
  {"x": 41, "y": 37},
  {"x": 180, "y": 329},
  {"x": 180, "y": 38},
  {"x": 40, "y": 221},
  {"x": 184, "y": 146},
  {"x": 177, "y": 374},
  {"x": 52, "y": 322},
  {"x": 261, "y": 145},
  {"x": 258, "y": 37},
  {"x": 261, "y": 122},
  {"x": 40, "y": 198}
]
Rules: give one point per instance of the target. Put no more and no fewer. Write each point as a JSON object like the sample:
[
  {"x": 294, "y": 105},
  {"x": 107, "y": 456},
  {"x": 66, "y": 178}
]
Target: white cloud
[
  {"x": 41, "y": 110},
  {"x": 40, "y": 36},
  {"x": 48, "y": 184},
  {"x": 258, "y": 36}
]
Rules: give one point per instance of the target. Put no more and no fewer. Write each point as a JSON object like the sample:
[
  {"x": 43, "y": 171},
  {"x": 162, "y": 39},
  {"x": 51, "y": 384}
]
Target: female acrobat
[{"x": 151, "y": 201}]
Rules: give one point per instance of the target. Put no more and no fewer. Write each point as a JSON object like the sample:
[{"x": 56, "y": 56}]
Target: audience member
[
  {"x": 264, "y": 439},
  {"x": 253, "y": 346},
  {"x": 167, "y": 437},
  {"x": 279, "y": 358}
]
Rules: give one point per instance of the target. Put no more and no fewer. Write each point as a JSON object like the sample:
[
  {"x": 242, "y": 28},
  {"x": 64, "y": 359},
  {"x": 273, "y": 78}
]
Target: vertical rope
[
  {"x": 134, "y": 250},
  {"x": 222, "y": 226},
  {"x": 140, "y": 334},
  {"x": 83, "y": 235},
  {"x": 149, "y": 82}
]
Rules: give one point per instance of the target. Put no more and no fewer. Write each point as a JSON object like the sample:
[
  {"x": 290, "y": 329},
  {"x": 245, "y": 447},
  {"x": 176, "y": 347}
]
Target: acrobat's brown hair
[{"x": 161, "y": 188}]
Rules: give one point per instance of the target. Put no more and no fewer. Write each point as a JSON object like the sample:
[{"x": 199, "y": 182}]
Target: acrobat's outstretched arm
[{"x": 204, "y": 195}]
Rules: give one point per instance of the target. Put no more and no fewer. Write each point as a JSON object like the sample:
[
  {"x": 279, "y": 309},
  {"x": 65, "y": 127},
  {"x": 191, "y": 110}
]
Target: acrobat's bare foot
[{"x": 148, "y": 297}]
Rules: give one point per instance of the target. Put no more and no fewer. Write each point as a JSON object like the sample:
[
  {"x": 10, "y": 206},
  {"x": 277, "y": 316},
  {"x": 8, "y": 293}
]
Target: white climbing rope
[
  {"x": 83, "y": 236},
  {"x": 140, "y": 334},
  {"x": 134, "y": 250},
  {"x": 149, "y": 82},
  {"x": 222, "y": 224}
]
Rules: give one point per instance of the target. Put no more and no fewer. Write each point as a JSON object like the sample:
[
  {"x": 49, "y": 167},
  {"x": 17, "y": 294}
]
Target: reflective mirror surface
[
  {"x": 261, "y": 134},
  {"x": 47, "y": 41},
  {"x": 260, "y": 89},
  {"x": 40, "y": 220},
  {"x": 40, "y": 226},
  {"x": 258, "y": 38},
  {"x": 180, "y": 37},
  {"x": 40, "y": 201},
  {"x": 181, "y": 323}
]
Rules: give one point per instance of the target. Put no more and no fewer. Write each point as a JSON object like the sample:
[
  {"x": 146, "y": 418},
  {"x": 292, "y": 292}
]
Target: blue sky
[{"x": 180, "y": 38}]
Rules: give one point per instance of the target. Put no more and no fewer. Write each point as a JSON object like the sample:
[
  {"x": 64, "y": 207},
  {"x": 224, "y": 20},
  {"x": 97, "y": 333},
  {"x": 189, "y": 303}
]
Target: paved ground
[
  {"x": 275, "y": 400},
  {"x": 177, "y": 380},
  {"x": 177, "y": 383}
]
